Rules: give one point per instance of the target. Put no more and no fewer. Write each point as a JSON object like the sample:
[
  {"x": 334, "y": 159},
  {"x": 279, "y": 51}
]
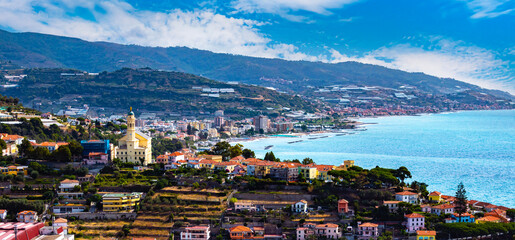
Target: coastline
[
  {"x": 358, "y": 122},
  {"x": 388, "y": 146}
]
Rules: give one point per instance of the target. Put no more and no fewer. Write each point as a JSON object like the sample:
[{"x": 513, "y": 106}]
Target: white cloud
[
  {"x": 119, "y": 22},
  {"x": 489, "y": 8},
  {"x": 285, "y": 8},
  {"x": 444, "y": 58}
]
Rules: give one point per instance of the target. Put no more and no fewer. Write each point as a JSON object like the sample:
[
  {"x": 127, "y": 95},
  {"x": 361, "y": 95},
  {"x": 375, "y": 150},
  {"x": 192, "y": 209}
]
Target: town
[{"x": 61, "y": 180}]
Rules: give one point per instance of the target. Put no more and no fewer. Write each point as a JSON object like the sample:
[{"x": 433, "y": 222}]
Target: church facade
[{"x": 135, "y": 147}]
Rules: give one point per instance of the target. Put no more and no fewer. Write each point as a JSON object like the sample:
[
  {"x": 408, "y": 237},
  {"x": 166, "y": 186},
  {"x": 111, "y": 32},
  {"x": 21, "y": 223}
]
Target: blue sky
[{"x": 470, "y": 40}]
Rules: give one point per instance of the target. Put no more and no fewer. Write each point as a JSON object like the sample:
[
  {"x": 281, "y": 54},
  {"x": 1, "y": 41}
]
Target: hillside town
[{"x": 102, "y": 189}]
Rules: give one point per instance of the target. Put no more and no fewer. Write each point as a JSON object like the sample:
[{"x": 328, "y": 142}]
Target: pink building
[
  {"x": 368, "y": 230},
  {"x": 328, "y": 230},
  {"x": 195, "y": 233},
  {"x": 414, "y": 222},
  {"x": 96, "y": 158},
  {"x": 343, "y": 206}
]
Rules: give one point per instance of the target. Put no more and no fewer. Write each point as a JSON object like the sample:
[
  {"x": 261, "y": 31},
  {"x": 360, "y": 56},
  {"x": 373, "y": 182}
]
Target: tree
[
  {"x": 62, "y": 154},
  {"x": 307, "y": 161},
  {"x": 269, "y": 156},
  {"x": 3, "y": 145},
  {"x": 247, "y": 153},
  {"x": 402, "y": 173},
  {"x": 25, "y": 147},
  {"x": 235, "y": 150},
  {"x": 221, "y": 148},
  {"x": 34, "y": 174},
  {"x": 75, "y": 148},
  {"x": 461, "y": 200}
]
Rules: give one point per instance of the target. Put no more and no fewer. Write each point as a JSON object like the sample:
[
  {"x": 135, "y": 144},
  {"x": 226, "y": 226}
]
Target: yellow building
[
  {"x": 216, "y": 158},
  {"x": 435, "y": 197},
  {"x": 346, "y": 165},
  {"x": 309, "y": 172},
  {"x": 134, "y": 147},
  {"x": 322, "y": 172},
  {"x": 116, "y": 202},
  {"x": 426, "y": 235},
  {"x": 14, "y": 170}
]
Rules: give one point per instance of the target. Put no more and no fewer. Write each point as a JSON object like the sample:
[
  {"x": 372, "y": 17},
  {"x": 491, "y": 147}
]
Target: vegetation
[
  {"x": 460, "y": 230},
  {"x": 151, "y": 90}
]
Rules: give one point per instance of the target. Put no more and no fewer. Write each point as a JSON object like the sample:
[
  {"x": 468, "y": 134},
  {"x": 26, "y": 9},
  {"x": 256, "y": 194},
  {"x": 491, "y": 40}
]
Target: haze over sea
[{"x": 476, "y": 147}]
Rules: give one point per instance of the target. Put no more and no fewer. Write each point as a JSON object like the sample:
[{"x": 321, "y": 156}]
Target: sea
[{"x": 441, "y": 150}]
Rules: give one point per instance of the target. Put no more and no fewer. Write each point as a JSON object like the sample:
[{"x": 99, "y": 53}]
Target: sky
[{"x": 469, "y": 40}]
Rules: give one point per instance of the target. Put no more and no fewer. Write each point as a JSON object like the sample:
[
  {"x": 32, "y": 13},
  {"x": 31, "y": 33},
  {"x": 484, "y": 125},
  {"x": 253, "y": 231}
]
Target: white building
[
  {"x": 414, "y": 222},
  {"x": 406, "y": 196},
  {"x": 244, "y": 205},
  {"x": 195, "y": 233},
  {"x": 300, "y": 207}
]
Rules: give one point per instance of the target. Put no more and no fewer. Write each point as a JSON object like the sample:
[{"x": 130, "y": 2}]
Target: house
[
  {"x": 304, "y": 232},
  {"x": 241, "y": 232},
  {"x": 114, "y": 202},
  {"x": 442, "y": 209},
  {"x": 61, "y": 222},
  {"x": 323, "y": 172},
  {"x": 244, "y": 205},
  {"x": 499, "y": 214},
  {"x": 392, "y": 205},
  {"x": 426, "y": 235},
  {"x": 68, "y": 185},
  {"x": 343, "y": 206},
  {"x": 67, "y": 189},
  {"x": 162, "y": 159},
  {"x": 435, "y": 197},
  {"x": 345, "y": 166},
  {"x": 367, "y": 230},
  {"x": 96, "y": 158},
  {"x": 414, "y": 222},
  {"x": 195, "y": 233},
  {"x": 426, "y": 208},
  {"x": 69, "y": 208},
  {"x": 406, "y": 196},
  {"x": 308, "y": 171},
  {"x": 486, "y": 219},
  {"x": 27, "y": 217},
  {"x": 87, "y": 178},
  {"x": 465, "y": 217},
  {"x": 216, "y": 158},
  {"x": 328, "y": 231},
  {"x": 300, "y": 207},
  {"x": 3, "y": 214}
]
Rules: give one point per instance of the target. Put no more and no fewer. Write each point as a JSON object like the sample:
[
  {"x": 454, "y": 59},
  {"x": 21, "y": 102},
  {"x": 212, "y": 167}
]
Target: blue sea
[{"x": 476, "y": 147}]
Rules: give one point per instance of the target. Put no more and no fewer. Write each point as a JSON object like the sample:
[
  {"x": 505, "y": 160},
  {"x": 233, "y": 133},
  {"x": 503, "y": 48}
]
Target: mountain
[
  {"x": 41, "y": 50},
  {"x": 148, "y": 90}
]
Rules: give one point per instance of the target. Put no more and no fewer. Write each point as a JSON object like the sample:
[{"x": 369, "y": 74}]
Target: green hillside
[
  {"x": 40, "y": 50},
  {"x": 147, "y": 89}
]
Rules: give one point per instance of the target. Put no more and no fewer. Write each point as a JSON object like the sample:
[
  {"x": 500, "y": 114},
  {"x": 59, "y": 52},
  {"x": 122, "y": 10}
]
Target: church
[{"x": 135, "y": 147}]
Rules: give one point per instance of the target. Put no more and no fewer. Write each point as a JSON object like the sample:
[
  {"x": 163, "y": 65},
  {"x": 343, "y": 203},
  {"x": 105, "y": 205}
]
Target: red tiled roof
[
  {"x": 435, "y": 193},
  {"x": 240, "y": 229},
  {"x": 414, "y": 215},
  {"x": 426, "y": 233},
  {"x": 406, "y": 193},
  {"x": 69, "y": 181},
  {"x": 343, "y": 201},
  {"x": 368, "y": 224}
]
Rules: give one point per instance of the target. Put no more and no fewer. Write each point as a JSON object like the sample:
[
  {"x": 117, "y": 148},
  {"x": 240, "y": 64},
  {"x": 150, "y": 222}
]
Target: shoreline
[{"x": 357, "y": 123}]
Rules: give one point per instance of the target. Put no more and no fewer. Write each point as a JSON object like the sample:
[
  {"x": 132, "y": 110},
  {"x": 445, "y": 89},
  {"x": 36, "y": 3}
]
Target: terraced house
[{"x": 116, "y": 202}]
